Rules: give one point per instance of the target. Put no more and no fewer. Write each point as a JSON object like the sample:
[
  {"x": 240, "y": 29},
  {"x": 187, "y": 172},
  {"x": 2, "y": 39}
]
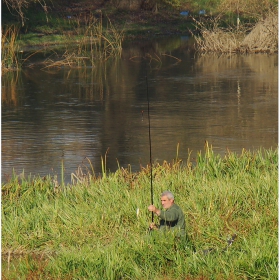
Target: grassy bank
[{"x": 91, "y": 229}]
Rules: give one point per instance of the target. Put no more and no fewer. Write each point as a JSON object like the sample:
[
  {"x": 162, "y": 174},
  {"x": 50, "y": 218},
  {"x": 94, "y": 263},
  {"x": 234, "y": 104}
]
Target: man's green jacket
[{"x": 173, "y": 219}]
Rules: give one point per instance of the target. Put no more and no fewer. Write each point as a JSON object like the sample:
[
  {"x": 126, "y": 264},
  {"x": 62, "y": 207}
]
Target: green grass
[{"x": 90, "y": 230}]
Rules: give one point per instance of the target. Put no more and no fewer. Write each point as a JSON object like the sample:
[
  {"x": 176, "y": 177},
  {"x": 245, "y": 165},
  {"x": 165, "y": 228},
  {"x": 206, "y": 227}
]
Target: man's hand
[
  {"x": 152, "y": 208},
  {"x": 153, "y": 226}
]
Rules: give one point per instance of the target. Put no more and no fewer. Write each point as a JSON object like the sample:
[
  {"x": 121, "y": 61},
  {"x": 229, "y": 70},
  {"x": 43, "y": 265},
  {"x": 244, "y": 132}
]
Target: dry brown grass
[
  {"x": 263, "y": 37},
  {"x": 9, "y": 49}
]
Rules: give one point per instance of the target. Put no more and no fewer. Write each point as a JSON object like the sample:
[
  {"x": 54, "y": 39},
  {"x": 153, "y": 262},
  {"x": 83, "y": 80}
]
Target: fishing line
[{"x": 150, "y": 144}]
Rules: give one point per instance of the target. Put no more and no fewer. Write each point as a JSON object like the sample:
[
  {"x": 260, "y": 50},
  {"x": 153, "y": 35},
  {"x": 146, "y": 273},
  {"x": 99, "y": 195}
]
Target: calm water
[{"x": 50, "y": 115}]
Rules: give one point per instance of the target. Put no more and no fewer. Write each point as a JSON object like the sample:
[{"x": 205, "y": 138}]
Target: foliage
[
  {"x": 173, "y": 3},
  {"x": 97, "y": 228},
  {"x": 209, "y": 6},
  {"x": 252, "y": 8}
]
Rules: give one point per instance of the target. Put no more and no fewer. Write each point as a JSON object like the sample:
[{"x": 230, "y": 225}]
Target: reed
[
  {"x": 62, "y": 173},
  {"x": 84, "y": 174},
  {"x": 10, "y": 59},
  {"x": 261, "y": 37},
  {"x": 94, "y": 42},
  {"x": 98, "y": 229}
]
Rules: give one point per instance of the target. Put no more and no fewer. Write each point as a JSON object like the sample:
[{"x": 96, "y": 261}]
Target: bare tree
[{"x": 18, "y": 6}]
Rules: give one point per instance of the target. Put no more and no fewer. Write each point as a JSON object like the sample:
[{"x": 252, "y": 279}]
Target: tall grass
[
  {"x": 9, "y": 49},
  {"x": 97, "y": 229},
  {"x": 261, "y": 37},
  {"x": 87, "y": 44},
  {"x": 94, "y": 43}
]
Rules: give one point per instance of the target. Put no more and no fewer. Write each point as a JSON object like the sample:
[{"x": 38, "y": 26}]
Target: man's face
[{"x": 165, "y": 202}]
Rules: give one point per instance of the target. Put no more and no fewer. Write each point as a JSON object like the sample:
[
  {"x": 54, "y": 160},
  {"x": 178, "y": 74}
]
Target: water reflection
[{"x": 69, "y": 114}]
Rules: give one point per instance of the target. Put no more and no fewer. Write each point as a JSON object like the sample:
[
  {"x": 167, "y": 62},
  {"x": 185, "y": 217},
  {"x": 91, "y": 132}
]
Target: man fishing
[{"x": 172, "y": 218}]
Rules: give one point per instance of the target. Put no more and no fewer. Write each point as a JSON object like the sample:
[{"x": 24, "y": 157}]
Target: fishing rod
[
  {"x": 207, "y": 251},
  {"x": 150, "y": 144}
]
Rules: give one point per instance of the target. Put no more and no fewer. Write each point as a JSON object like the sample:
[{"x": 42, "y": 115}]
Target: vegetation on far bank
[
  {"x": 89, "y": 31},
  {"x": 138, "y": 17},
  {"x": 96, "y": 228}
]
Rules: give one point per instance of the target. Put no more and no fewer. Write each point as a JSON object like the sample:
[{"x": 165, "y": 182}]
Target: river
[{"x": 99, "y": 115}]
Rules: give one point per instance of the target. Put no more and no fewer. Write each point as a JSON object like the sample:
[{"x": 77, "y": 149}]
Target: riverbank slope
[{"x": 97, "y": 227}]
